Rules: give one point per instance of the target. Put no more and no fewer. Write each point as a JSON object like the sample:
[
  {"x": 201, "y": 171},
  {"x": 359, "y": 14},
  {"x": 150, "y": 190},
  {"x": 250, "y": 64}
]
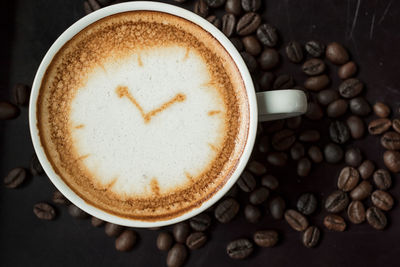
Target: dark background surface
[{"x": 369, "y": 29}]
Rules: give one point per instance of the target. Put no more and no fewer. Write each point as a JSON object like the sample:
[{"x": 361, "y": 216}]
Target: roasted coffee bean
[
  {"x": 376, "y": 218},
  {"x": 215, "y": 21},
  {"x": 359, "y": 106},
  {"x": 396, "y": 125},
  {"x": 59, "y": 198},
  {"x": 246, "y": 182},
  {"x": 239, "y": 249},
  {"x": 87, "y": 8},
  {"x": 311, "y": 236},
  {"x": 248, "y": 23},
  {"x": 200, "y": 222},
  {"x": 256, "y": 167},
  {"x": 294, "y": 52},
  {"x": 274, "y": 126},
  {"x": 259, "y": 195},
  {"x": 297, "y": 151},
  {"x": 317, "y": 83},
  {"x": 348, "y": 179},
  {"x": 113, "y": 230},
  {"x": 277, "y": 158},
  {"x": 266, "y": 80},
  {"x": 382, "y": 200},
  {"x": 267, "y": 34},
  {"x": 233, "y": 7},
  {"x": 8, "y": 111},
  {"x": 336, "y": 202},
  {"x": 201, "y": 8},
  {"x": 196, "y": 240},
  {"x": 215, "y": 3},
  {"x": 337, "y": 108},
  {"x": 21, "y": 94},
  {"x": 334, "y": 222},
  {"x": 336, "y": 53},
  {"x": 303, "y": 167},
  {"x": 226, "y": 210},
  {"x": 391, "y": 159},
  {"x": 296, "y": 220},
  {"x": 268, "y": 59},
  {"x": 347, "y": 70},
  {"x": 366, "y": 169},
  {"x": 251, "y": 5},
  {"x": 333, "y": 153},
  {"x": 270, "y": 182},
  {"x": 356, "y": 212},
  {"x": 35, "y": 166},
  {"x": 181, "y": 231},
  {"x": 126, "y": 240},
  {"x": 177, "y": 255},
  {"x": 252, "y": 213},
  {"x": 356, "y": 127},
  {"x": 315, "y": 48},
  {"x": 277, "y": 207},
  {"x": 327, "y": 96},
  {"x": 266, "y": 238},
  {"x": 350, "y": 88},
  {"x": 15, "y": 178},
  {"x": 361, "y": 191},
  {"x": 96, "y": 222},
  {"x": 264, "y": 144},
  {"x": 250, "y": 61},
  {"x": 382, "y": 179},
  {"x": 309, "y": 136},
  {"x": 44, "y": 211},
  {"x": 237, "y": 43},
  {"x": 338, "y": 132},
  {"x": 313, "y": 66},
  {"x": 353, "y": 157},
  {"x": 283, "y": 140},
  {"x": 76, "y": 212},
  {"x": 315, "y": 154},
  {"x": 228, "y": 24},
  {"x": 294, "y": 123},
  {"x": 391, "y": 140},
  {"x": 307, "y": 203},
  {"x": 164, "y": 241},
  {"x": 381, "y": 110},
  {"x": 283, "y": 81},
  {"x": 379, "y": 126},
  {"x": 251, "y": 45}
]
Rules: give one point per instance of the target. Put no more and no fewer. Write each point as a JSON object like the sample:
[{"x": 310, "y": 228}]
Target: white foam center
[{"x": 115, "y": 142}]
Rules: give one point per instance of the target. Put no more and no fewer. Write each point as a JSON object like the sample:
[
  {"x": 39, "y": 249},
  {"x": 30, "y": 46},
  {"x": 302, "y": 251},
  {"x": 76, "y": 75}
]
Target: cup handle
[{"x": 280, "y": 104}]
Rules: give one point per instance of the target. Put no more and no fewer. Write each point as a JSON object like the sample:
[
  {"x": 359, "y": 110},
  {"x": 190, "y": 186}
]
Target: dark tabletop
[{"x": 371, "y": 32}]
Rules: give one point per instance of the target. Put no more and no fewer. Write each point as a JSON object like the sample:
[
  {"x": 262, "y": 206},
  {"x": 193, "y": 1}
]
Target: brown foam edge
[{"x": 228, "y": 167}]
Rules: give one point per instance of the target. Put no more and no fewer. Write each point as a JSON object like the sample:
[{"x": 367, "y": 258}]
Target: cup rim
[{"x": 120, "y": 8}]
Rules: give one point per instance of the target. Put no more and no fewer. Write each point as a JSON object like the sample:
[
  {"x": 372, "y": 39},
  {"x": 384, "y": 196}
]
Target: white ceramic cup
[{"x": 263, "y": 106}]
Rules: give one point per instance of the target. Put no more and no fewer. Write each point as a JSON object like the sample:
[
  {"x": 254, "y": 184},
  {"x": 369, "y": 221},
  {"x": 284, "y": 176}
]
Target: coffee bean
[
  {"x": 248, "y": 23},
  {"x": 270, "y": 182},
  {"x": 251, "y": 5},
  {"x": 35, "y": 166},
  {"x": 252, "y": 213},
  {"x": 263, "y": 144},
  {"x": 391, "y": 140},
  {"x": 315, "y": 48},
  {"x": 226, "y": 210},
  {"x": 250, "y": 61},
  {"x": 274, "y": 126},
  {"x": 383, "y": 200},
  {"x": 59, "y": 198},
  {"x": 228, "y": 24},
  {"x": 327, "y": 96},
  {"x": 396, "y": 125},
  {"x": 361, "y": 191},
  {"x": 237, "y": 43},
  {"x": 233, "y": 6},
  {"x": 348, "y": 179},
  {"x": 215, "y": 3},
  {"x": 350, "y": 88},
  {"x": 307, "y": 203},
  {"x": 277, "y": 158},
  {"x": 317, "y": 83},
  {"x": 201, "y": 8},
  {"x": 283, "y": 81},
  {"x": 268, "y": 59},
  {"x": 356, "y": 212},
  {"x": 353, "y": 157},
  {"x": 214, "y": 20},
  {"x": 309, "y": 136},
  {"x": 44, "y": 211},
  {"x": 294, "y": 51},
  {"x": 313, "y": 66},
  {"x": 246, "y": 182},
  {"x": 277, "y": 207},
  {"x": 391, "y": 159},
  {"x": 126, "y": 240},
  {"x": 283, "y": 140},
  {"x": 8, "y": 111},
  {"x": 181, "y": 231},
  {"x": 337, "y": 108},
  {"x": 113, "y": 230},
  {"x": 303, "y": 167},
  {"x": 336, "y": 53},
  {"x": 256, "y": 167},
  {"x": 296, "y": 220},
  {"x": 359, "y": 106},
  {"x": 266, "y": 238},
  {"x": 336, "y": 202},
  {"x": 366, "y": 169},
  {"x": 87, "y": 8},
  {"x": 76, "y": 212},
  {"x": 177, "y": 255},
  {"x": 379, "y": 126},
  {"x": 259, "y": 195},
  {"x": 196, "y": 240},
  {"x": 356, "y": 127},
  {"x": 376, "y": 218},
  {"x": 294, "y": 123},
  {"x": 315, "y": 154},
  {"x": 239, "y": 249},
  {"x": 15, "y": 178},
  {"x": 96, "y": 222},
  {"x": 266, "y": 80},
  {"x": 382, "y": 179},
  {"x": 347, "y": 70},
  {"x": 251, "y": 45},
  {"x": 338, "y": 132},
  {"x": 334, "y": 222},
  {"x": 333, "y": 153},
  {"x": 164, "y": 241},
  {"x": 268, "y": 35},
  {"x": 297, "y": 151},
  {"x": 21, "y": 94},
  {"x": 200, "y": 222},
  {"x": 381, "y": 110},
  {"x": 311, "y": 236}
]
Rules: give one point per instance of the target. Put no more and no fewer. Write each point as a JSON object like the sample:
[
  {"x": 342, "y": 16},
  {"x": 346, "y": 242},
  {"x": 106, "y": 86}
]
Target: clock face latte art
[{"x": 144, "y": 115}]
